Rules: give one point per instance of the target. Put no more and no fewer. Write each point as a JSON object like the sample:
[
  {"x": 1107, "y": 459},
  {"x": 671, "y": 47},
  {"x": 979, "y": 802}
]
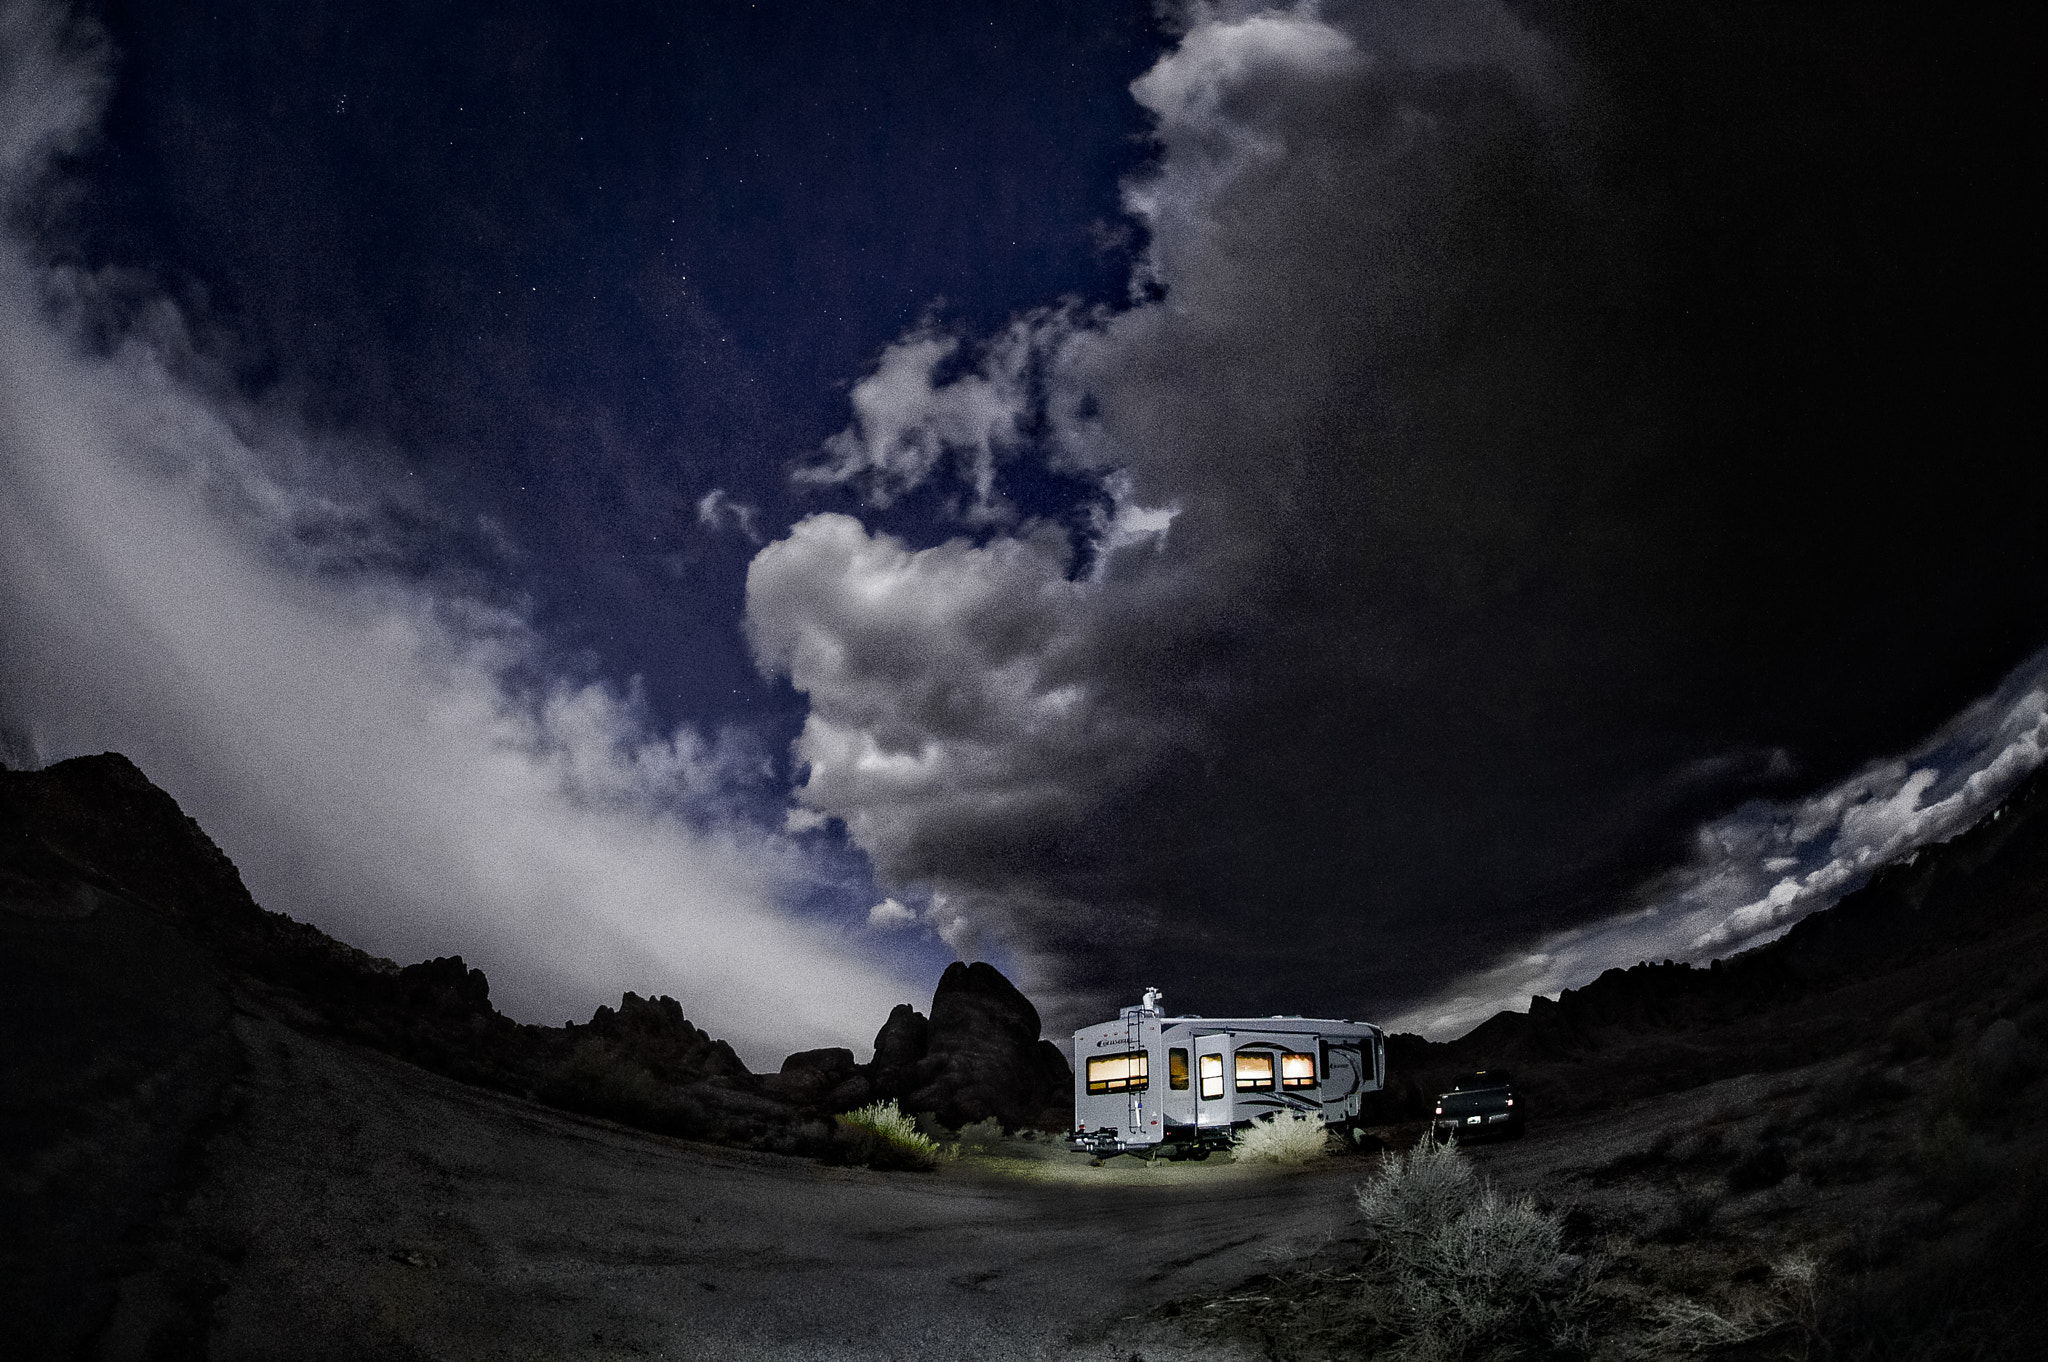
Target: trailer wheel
[{"x": 1198, "y": 1153}]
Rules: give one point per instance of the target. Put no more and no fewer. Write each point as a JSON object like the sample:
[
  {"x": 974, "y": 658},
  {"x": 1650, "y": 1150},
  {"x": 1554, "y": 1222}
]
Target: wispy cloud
[
  {"x": 392, "y": 752},
  {"x": 906, "y": 422},
  {"x": 716, "y": 510}
]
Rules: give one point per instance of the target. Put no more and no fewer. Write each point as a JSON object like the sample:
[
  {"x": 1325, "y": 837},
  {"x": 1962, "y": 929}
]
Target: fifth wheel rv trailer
[{"x": 1150, "y": 1081}]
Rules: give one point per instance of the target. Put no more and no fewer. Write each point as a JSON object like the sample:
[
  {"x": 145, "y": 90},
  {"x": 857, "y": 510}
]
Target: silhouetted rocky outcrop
[
  {"x": 92, "y": 832},
  {"x": 824, "y": 1081},
  {"x": 979, "y": 1055},
  {"x": 903, "y": 1040}
]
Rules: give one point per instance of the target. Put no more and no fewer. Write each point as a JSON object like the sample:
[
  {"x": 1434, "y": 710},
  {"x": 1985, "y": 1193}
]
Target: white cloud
[
  {"x": 947, "y": 694},
  {"x": 889, "y": 915},
  {"x": 718, "y": 511},
  {"x": 53, "y": 79},
  {"x": 803, "y": 820},
  {"x": 376, "y": 755},
  {"x": 905, "y": 423}
]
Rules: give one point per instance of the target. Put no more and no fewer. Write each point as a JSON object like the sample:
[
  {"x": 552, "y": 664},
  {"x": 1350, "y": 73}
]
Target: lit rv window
[
  {"x": 1117, "y": 1073},
  {"x": 1212, "y": 1077},
  {"x": 1177, "y": 1070},
  {"x": 1254, "y": 1072},
  {"x": 1297, "y": 1071}
]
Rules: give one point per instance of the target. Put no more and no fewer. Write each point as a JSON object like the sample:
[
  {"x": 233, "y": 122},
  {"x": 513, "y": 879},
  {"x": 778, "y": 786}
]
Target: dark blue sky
[{"x": 584, "y": 264}]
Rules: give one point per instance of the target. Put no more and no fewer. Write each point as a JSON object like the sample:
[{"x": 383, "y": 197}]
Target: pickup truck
[{"x": 1480, "y": 1104}]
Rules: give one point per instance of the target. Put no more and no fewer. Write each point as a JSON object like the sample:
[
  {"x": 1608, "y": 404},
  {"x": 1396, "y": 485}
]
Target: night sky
[{"x": 1370, "y": 509}]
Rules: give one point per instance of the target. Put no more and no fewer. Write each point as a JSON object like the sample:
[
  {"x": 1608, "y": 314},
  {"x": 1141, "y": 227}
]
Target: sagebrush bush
[
  {"x": 1457, "y": 1268},
  {"x": 881, "y": 1136},
  {"x": 1285, "y": 1137},
  {"x": 981, "y": 1137},
  {"x": 1415, "y": 1193}
]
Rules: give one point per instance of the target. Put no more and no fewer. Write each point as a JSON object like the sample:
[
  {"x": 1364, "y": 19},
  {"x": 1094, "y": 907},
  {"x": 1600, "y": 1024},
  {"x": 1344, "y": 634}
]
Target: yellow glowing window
[
  {"x": 1177, "y": 1070},
  {"x": 1117, "y": 1073},
  {"x": 1212, "y": 1077},
  {"x": 1254, "y": 1072},
  {"x": 1297, "y": 1071}
]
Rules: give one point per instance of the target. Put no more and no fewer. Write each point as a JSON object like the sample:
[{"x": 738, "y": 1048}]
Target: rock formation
[
  {"x": 92, "y": 832},
  {"x": 979, "y": 1055}
]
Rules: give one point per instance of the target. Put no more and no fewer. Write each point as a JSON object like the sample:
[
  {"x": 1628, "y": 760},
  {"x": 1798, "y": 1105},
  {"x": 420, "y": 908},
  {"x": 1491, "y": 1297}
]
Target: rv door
[{"x": 1212, "y": 1090}]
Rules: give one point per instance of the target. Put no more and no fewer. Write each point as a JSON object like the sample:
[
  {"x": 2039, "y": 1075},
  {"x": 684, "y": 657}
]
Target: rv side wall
[{"x": 1139, "y": 1077}]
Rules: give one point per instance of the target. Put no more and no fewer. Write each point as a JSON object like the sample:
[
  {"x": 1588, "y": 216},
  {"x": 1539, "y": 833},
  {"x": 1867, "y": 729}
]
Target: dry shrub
[
  {"x": 1416, "y": 1193},
  {"x": 881, "y": 1136},
  {"x": 1860, "y": 1088},
  {"x": 1845, "y": 1157},
  {"x": 1286, "y": 1138},
  {"x": 1972, "y": 1297},
  {"x": 1679, "y": 1325},
  {"x": 1456, "y": 1269},
  {"x": 1919, "y": 1031},
  {"x": 980, "y": 1137}
]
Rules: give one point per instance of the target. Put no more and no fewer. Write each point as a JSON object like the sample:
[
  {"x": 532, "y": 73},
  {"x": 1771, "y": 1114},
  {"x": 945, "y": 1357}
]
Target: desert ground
[
  {"x": 350, "y": 1206},
  {"x": 1837, "y": 1149}
]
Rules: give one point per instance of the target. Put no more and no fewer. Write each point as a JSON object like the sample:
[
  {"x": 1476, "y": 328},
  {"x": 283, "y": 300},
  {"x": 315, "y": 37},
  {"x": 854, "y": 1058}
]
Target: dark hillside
[{"x": 1957, "y": 934}]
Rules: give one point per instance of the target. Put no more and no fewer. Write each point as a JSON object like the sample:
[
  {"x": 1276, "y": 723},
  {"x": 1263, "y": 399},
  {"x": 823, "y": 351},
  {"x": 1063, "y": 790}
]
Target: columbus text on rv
[{"x": 1183, "y": 1084}]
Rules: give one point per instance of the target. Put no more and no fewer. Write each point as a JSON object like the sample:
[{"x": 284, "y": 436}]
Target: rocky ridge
[
  {"x": 1957, "y": 930},
  {"x": 94, "y": 831}
]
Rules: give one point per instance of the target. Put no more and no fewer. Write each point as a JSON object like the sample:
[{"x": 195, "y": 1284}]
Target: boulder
[
  {"x": 820, "y": 1080},
  {"x": 980, "y": 1055}
]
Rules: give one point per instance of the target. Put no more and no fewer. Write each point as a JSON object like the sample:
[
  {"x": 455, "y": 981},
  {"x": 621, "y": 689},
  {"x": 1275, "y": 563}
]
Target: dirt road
[{"x": 355, "y": 1207}]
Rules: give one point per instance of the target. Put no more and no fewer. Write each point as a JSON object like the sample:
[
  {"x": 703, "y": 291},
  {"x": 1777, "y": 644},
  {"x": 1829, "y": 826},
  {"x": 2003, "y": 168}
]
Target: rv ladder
[{"x": 1134, "y": 1039}]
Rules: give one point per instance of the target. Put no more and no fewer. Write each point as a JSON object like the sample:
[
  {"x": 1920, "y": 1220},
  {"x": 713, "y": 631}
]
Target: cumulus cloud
[
  {"x": 1761, "y": 869},
  {"x": 951, "y": 692},
  {"x": 1020, "y": 724},
  {"x": 393, "y": 755},
  {"x": 1408, "y": 613}
]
